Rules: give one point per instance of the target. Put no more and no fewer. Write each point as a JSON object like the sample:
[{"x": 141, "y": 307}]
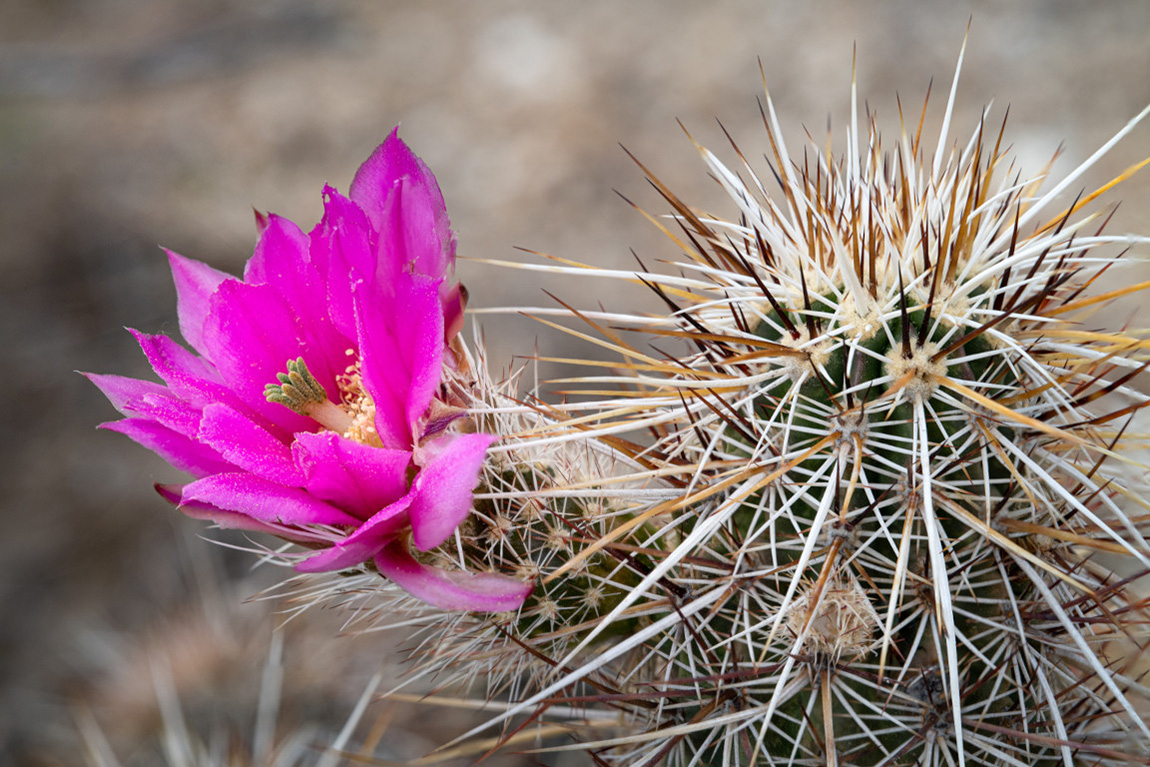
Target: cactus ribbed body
[{"x": 869, "y": 514}]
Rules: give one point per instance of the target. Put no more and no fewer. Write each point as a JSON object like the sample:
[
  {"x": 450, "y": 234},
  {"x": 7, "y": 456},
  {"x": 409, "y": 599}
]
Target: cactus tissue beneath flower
[{"x": 857, "y": 497}]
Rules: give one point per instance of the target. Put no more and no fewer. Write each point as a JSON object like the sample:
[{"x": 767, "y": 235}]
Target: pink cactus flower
[{"x": 313, "y": 407}]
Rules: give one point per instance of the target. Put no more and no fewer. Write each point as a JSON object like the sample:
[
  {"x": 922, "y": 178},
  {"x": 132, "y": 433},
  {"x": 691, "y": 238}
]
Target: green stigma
[{"x": 297, "y": 389}]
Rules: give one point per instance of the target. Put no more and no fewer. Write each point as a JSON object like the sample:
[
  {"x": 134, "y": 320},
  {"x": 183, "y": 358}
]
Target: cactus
[
  {"x": 881, "y": 507},
  {"x": 881, "y": 513}
]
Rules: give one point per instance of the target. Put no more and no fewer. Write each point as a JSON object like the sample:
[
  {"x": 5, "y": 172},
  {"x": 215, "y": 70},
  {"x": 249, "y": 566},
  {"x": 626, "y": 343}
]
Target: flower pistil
[{"x": 299, "y": 390}]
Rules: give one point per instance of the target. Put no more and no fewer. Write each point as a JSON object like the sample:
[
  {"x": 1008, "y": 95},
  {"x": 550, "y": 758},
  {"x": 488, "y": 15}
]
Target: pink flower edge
[{"x": 451, "y": 590}]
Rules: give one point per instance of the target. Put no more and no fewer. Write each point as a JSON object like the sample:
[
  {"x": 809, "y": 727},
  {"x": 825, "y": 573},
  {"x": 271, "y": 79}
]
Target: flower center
[
  {"x": 354, "y": 417},
  {"x": 358, "y": 405}
]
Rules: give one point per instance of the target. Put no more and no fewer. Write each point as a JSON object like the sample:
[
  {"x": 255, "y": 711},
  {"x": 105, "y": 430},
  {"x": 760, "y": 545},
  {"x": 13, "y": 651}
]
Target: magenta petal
[
  {"x": 170, "y": 493},
  {"x": 264, "y": 500},
  {"x": 282, "y": 260},
  {"x": 357, "y": 478},
  {"x": 279, "y": 253},
  {"x": 190, "y": 378},
  {"x": 148, "y": 400},
  {"x": 126, "y": 394},
  {"x": 172, "y": 412},
  {"x": 401, "y": 348},
  {"x": 229, "y": 520},
  {"x": 474, "y": 592},
  {"x": 251, "y": 334},
  {"x": 184, "y": 453},
  {"x": 421, "y": 231},
  {"x": 363, "y": 544},
  {"x": 248, "y": 445},
  {"x": 442, "y": 489},
  {"x": 454, "y": 300},
  {"x": 408, "y": 240},
  {"x": 343, "y": 251},
  {"x": 195, "y": 282}
]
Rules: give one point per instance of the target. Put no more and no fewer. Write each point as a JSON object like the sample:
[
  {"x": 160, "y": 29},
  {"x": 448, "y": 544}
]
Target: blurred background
[{"x": 125, "y": 125}]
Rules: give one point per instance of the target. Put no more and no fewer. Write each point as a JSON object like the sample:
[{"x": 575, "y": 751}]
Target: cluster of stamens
[{"x": 357, "y": 403}]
